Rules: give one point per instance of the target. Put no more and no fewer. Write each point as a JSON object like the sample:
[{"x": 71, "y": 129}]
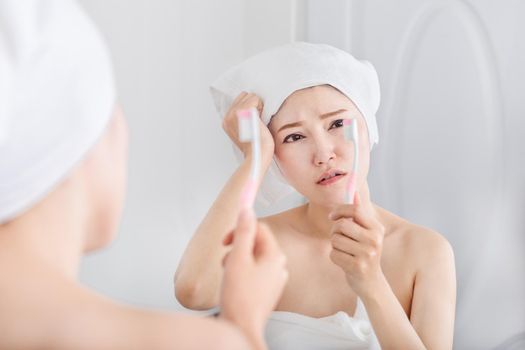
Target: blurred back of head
[{"x": 57, "y": 102}]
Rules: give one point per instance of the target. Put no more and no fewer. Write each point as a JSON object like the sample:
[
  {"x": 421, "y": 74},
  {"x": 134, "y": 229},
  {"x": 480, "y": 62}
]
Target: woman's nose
[{"x": 324, "y": 153}]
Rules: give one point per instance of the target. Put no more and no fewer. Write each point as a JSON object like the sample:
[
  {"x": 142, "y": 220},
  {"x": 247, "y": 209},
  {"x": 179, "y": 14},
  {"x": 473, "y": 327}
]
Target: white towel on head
[
  {"x": 276, "y": 73},
  {"x": 56, "y": 97}
]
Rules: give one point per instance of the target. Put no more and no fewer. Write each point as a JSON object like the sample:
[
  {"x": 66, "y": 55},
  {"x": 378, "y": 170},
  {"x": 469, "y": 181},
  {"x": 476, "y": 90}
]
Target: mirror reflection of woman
[{"x": 341, "y": 257}]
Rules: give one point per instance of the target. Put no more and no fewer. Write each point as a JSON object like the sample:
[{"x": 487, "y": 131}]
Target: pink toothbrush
[
  {"x": 351, "y": 134},
  {"x": 249, "y": 132}
]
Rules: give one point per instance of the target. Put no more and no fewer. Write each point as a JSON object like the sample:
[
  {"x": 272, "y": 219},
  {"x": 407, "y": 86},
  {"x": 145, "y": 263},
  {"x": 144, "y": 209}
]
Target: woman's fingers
[
  {"x": 355, "y": 212},
  {"x": 266, "y": 247},
  {"x": 341, "y": 258},
  {"x": 344, "y": 244},
  {"x": 357, "y": 198},
  {"x": 269, "y": 255},
  {"x": 228, "y": 239},
  {"x": 253, "y": 100},
  {"x": 224, "y": 259},
  {"x": 352, "y": 230},
  {"x": 349, "y": 246},
  {"x": 244, "y": 234},
  {"x": 239, "y": 97}
]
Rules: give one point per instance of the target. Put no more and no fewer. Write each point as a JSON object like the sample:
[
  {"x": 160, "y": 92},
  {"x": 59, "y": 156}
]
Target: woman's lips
[{"x": 331, "y": 180}]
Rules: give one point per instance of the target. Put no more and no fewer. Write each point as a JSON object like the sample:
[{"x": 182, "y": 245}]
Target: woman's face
[{"x": 309, "y": 143}]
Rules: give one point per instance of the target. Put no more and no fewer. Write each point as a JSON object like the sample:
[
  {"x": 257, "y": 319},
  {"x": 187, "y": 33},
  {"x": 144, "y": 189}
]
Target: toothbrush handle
[
  {"x": 350, "y": 193},
  {"x": 248, "y": 194}
]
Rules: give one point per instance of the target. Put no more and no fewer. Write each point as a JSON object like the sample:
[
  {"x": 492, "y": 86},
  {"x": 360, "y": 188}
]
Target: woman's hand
[
  {"x": 357, "y": 241},
  {"x": 230, "y": 125},
  {"x": 254, "y": 276}
]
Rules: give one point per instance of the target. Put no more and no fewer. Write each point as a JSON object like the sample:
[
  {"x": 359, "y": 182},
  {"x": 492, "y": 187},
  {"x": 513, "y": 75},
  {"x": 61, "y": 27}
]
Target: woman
[
  {"x": 341, "y": 257},
  {"x": 63, "y": 151}
]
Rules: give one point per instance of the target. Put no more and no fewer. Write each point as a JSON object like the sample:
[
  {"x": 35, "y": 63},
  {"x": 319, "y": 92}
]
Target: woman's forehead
[{"x": 313, "y": 101}]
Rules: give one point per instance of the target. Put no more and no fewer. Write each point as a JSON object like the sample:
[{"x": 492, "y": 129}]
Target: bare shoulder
[
  {"x": 429, "y": 246},
  {"x": 431, "y": 259},
  {"x": 422, "y": 245},
  {"x": 414, "y": 259}
]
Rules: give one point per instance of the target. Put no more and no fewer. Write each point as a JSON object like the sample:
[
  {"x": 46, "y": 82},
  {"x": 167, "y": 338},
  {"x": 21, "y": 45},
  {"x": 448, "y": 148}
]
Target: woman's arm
[
  {"x": 199, "y": 274},
  {"x": 434, "y": 299},
  {"x": 431, "y": 323},
  {"x": 357, "y": 242}
]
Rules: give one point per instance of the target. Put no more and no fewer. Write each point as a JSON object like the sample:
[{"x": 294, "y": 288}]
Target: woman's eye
[
  {"x": 336, "y": 124},
  {"x": 292, "y": 138}
]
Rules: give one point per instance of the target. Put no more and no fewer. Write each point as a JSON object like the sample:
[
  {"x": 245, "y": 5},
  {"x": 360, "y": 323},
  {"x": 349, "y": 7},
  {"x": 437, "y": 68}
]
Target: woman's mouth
[{"x": 330, "y": 177}]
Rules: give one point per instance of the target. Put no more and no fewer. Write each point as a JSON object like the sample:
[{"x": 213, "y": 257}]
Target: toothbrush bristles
[
  {"x": 245, "y": 125},
  {"x": 349, "y": 129}
]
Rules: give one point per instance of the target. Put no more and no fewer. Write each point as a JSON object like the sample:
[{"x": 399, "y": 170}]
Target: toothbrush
[
  {"x": 248, "y": 121},
  {"x": 351, "y": 134}
]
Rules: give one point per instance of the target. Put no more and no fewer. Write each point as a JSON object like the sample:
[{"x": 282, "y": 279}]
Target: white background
[{"x": 451, "y": 126}]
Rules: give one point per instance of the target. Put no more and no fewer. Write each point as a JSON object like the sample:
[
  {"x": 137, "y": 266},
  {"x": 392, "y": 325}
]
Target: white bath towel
[
  {"x": 290, "y": 331},
  {"x": 56, "y": 97},
  {"x": 276, "y": 73}
]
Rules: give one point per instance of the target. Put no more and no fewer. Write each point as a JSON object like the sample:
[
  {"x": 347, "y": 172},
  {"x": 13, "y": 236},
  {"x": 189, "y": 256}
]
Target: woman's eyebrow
[
  {"x": 291, "y": 125},
  {"x": 322, "y": 116},
  {"x": 329, "y": 114}
]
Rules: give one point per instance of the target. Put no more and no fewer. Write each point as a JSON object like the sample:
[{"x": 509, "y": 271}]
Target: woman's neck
[
  {"x": 50, "y": 234},
  {"x": 315, "y": 215}
]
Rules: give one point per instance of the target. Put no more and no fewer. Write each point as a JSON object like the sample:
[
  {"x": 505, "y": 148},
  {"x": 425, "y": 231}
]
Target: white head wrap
[
  {"x": 56, "y": 97},
  {"x": 277, "y": 73}
]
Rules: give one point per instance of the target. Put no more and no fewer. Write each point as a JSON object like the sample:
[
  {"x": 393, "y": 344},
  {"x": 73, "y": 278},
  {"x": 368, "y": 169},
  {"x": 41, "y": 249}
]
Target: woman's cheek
[
  {"x": 293, "y": 165},
  {"x": 284, "y": 162}
]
